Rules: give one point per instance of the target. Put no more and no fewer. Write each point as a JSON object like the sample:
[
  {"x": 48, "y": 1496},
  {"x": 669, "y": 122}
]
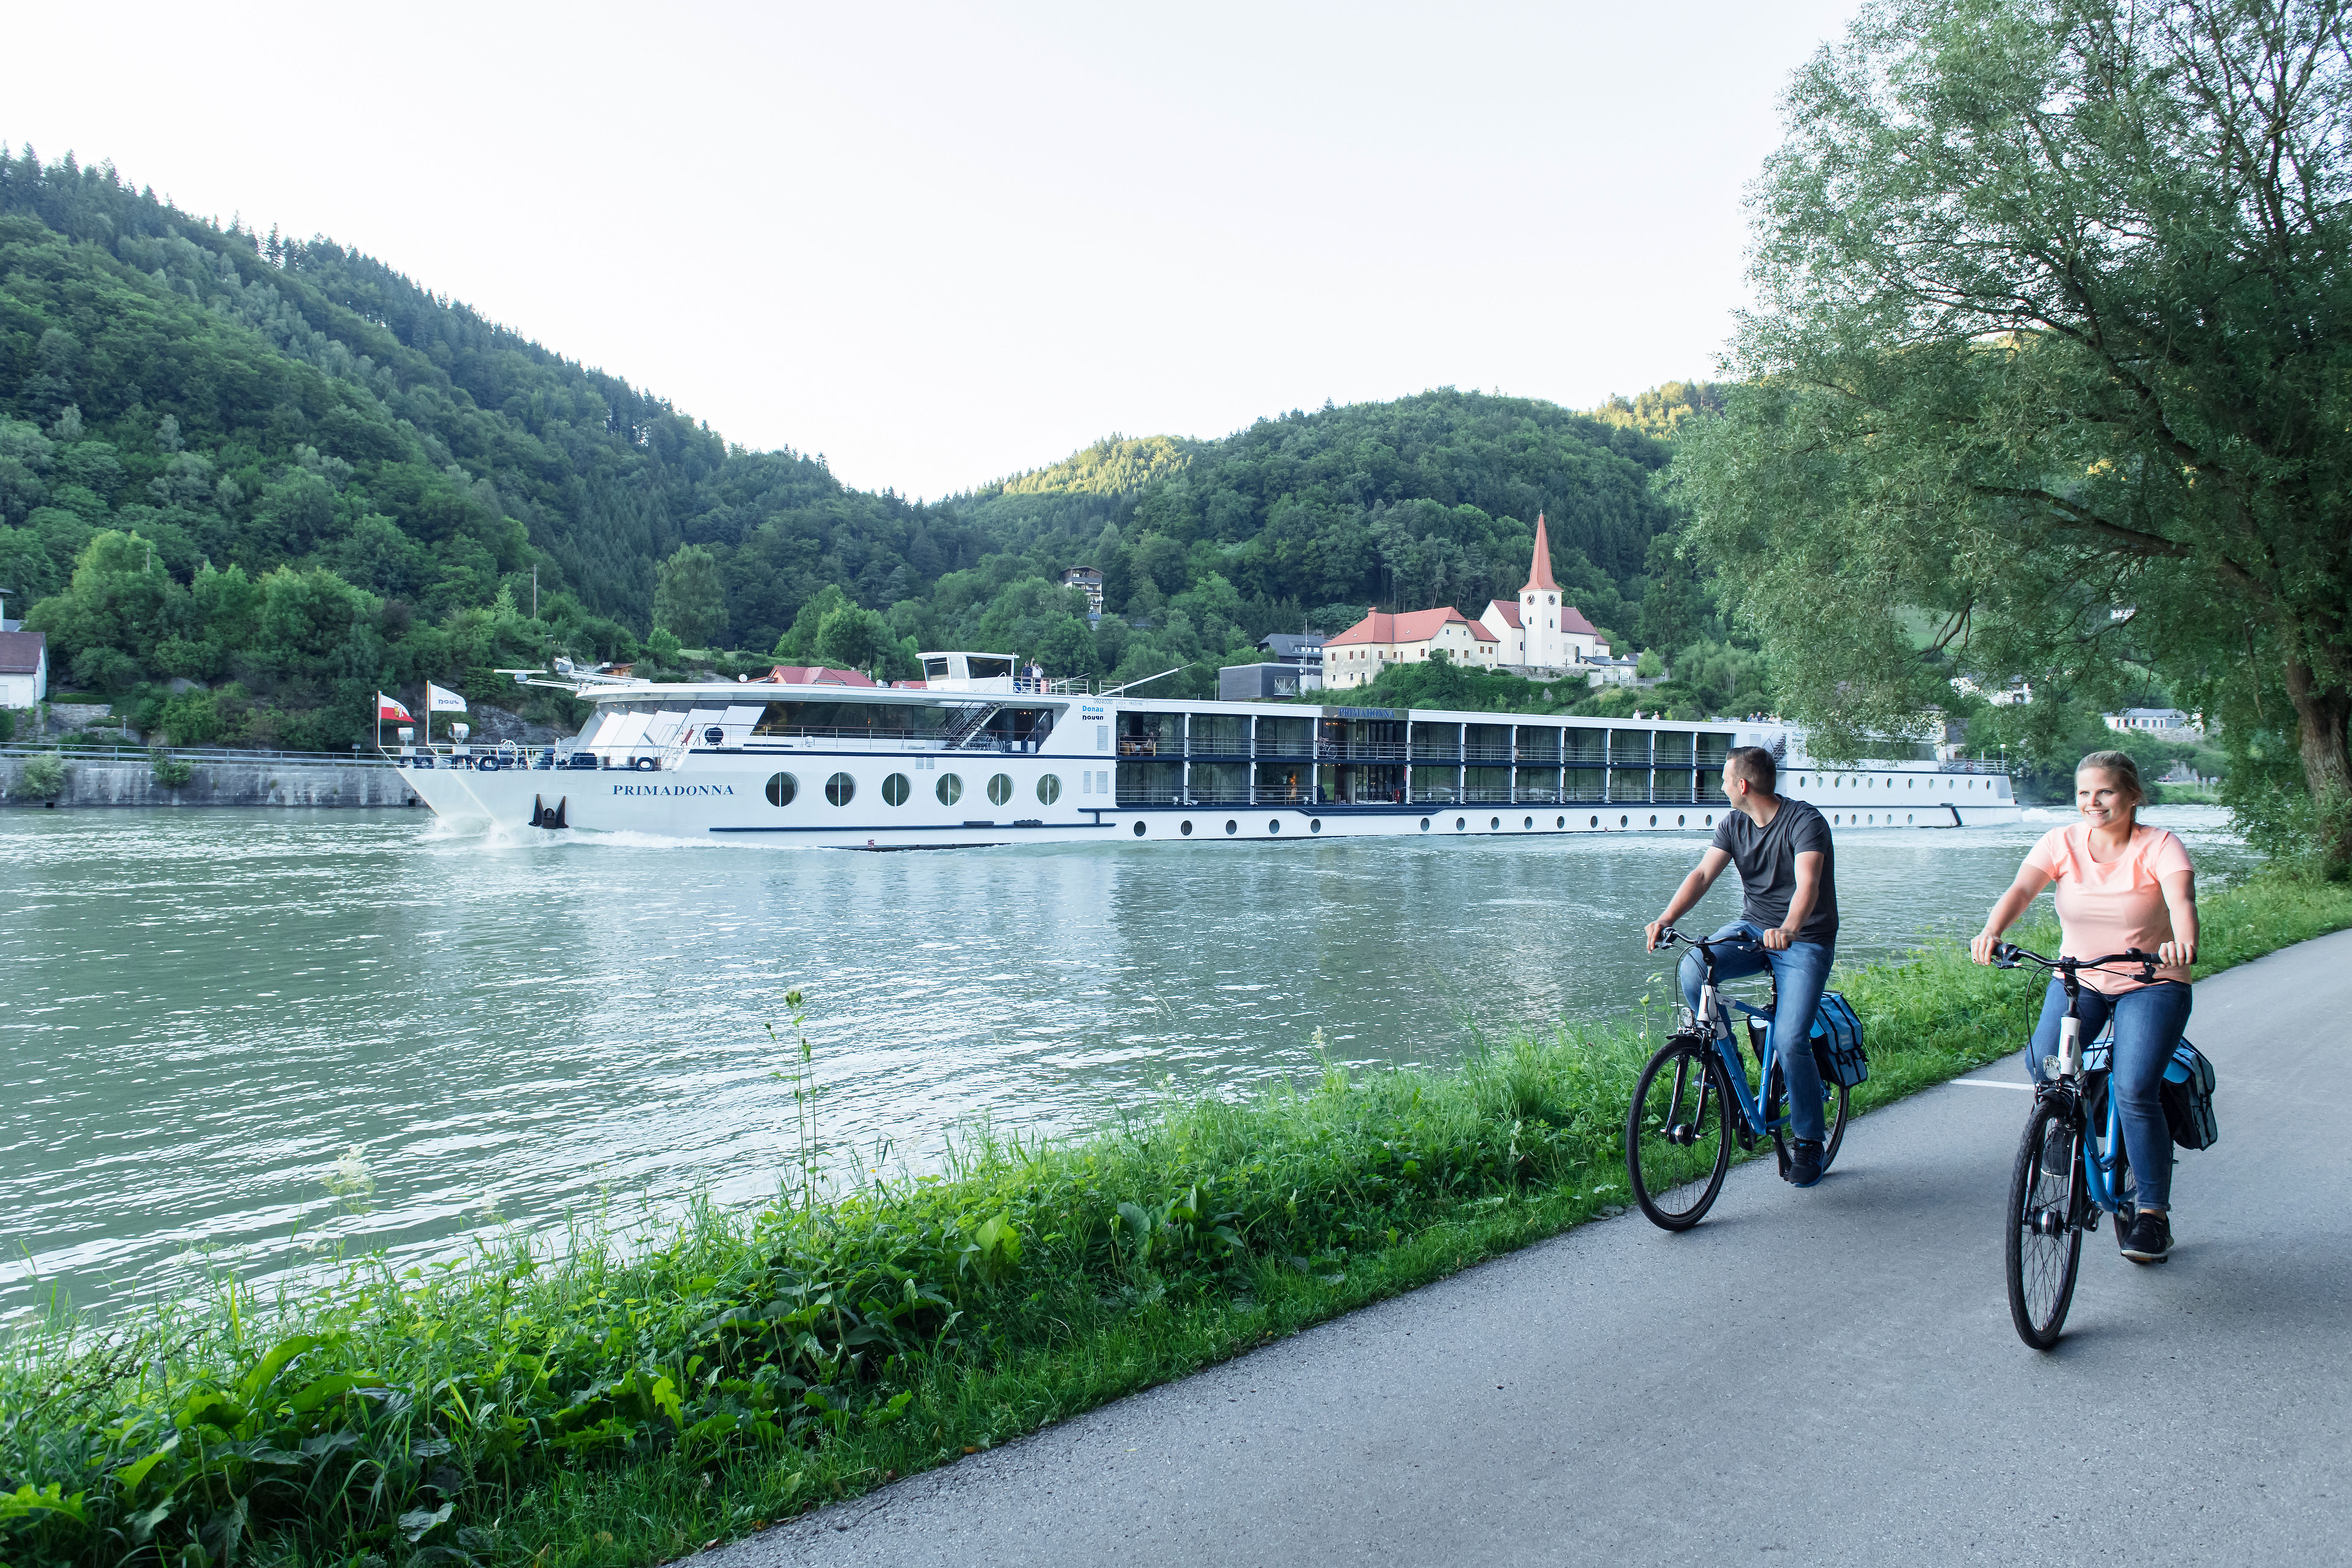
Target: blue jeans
[
  {"x": 2148, "y": 1022},
  {"x": 1798, "y": 976}
]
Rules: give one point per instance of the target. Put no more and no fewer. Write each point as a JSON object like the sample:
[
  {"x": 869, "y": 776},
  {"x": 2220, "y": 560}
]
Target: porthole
[
  {"x": 782, "y": 787},
  {"x": 1596, "y": 822},
  {"x": 1909, "y": 817},
  {"x": 1910, "y": 783},
  {"x": 1559, "y": 822},
  {"x": 1493, "y": 823},
  {"x": 1049, "y": 789},
  {"x": 1231, "y": 828},
  {"x": 1710, "y": 820},
  {"x": 1315, "y": 825},
  {"x": 841, "y": 789},
  {"x": 1654, "y": 819},
  {"x": 1000, "y": 788},
  {"x": 1274, "y": 826},
  {"x": 1624, "y": 821},
  {"x": 950, "y": 788},
  {"x": 1185, "y": 828},
  {"x": 1681, "y": 821},
  {"x": 1833, "y": 821},
  {"x": 1424, "y": 824},
  {"x": 896, "y": 789},
  {"x": 1139, "y": 830}
]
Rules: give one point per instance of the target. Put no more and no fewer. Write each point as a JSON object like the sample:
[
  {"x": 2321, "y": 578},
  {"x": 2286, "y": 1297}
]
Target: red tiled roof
[
  {"x": 1540, "y": 569},
  {"x": 20, "y": 652},
  {"x": 816, "y": 674},
  {"x": 1510, "y": 609},
  {"x": 1412, "y": 625},
  {"x": 1571, "y": 619}
]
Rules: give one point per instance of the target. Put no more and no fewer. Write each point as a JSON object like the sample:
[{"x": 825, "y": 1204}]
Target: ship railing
[
  {"x": 83, "y": 751},
  {"x": 1973, "y": 765}
]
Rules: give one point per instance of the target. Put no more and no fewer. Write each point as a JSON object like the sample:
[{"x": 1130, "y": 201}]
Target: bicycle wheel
[
  {"x": 1678, "y": 1134},
  {"x": 2043, "y": 1236},
  {"x": 1833, "y": 1109}
]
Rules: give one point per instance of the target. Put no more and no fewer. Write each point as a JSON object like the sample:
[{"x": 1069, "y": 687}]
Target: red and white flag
[{"x": 390, "y": 708}]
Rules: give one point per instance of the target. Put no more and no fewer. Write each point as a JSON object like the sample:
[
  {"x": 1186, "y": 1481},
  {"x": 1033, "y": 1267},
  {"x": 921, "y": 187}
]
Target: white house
[
  {"x": 1538, "y": 631},
  {"x": 1357, "y": 656},
  {"x": 23, "y": 668},
  {"x": 2164, "y": 723}
]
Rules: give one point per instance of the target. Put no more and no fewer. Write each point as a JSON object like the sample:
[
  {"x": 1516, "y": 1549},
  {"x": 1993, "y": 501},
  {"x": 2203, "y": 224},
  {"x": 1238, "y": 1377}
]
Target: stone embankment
[{"x": 263, "y": 782}]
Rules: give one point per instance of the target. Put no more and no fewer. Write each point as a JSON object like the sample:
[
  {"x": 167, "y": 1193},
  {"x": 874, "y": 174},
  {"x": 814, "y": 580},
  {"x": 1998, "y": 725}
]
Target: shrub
[
  {"x": 44, "y": 778},
  {"x": 171, "y": 771}
]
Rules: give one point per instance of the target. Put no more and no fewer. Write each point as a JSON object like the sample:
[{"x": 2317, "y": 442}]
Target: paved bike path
[{"x": 1821, "y": 1377}]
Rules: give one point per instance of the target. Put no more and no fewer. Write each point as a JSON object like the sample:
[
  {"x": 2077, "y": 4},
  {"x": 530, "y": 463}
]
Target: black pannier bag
[
  {"x": 2188, "y": 1097},
  {"x": 1837, "y": 1042}
]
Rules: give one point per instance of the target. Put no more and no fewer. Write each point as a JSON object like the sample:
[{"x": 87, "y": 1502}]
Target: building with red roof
[
  {"x": 1357, "y": 656},
  {"x": 1537, "y": 630}
]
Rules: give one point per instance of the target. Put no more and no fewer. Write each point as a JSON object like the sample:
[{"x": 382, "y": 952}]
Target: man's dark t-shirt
[{"x": 1767, "y": 858}]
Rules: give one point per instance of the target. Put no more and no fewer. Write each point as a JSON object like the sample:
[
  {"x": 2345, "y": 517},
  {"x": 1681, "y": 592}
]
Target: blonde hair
[{"x": 2125, "y": 772}]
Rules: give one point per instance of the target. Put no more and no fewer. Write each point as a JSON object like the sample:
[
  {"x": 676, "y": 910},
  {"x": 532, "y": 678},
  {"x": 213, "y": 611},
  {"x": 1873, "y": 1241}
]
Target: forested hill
[{"x": 284, "y": 468}]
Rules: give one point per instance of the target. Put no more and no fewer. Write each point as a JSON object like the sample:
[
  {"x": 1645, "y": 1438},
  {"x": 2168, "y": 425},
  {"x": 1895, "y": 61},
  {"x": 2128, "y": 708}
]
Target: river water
[{"x": 233, "y": 1037}]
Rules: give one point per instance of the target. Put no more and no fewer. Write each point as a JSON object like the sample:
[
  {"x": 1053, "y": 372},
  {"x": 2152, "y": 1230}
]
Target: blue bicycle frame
[
  {"x": 2101, "y": 1162},
  {"x": 1712, "y": 1021}
]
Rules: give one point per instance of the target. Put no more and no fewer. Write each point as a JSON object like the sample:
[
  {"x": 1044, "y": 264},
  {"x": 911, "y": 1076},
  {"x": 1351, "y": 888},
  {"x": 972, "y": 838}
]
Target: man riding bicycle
[{"x": 1788, "y": 911}]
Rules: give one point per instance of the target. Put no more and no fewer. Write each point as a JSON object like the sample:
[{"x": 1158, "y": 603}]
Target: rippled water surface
[{"x": 206, "y": 1009}]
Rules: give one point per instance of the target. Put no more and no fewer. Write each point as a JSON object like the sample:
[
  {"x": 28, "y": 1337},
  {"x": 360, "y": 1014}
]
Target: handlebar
[
  {"x": 2009, "y": 955},
  {"x": 1668, "y": 936}
]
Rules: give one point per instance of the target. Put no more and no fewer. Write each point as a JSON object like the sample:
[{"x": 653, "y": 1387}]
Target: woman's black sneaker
[
  {"x": 2149, "y": 1240},
  {"x": 1804, "y": 1162}
]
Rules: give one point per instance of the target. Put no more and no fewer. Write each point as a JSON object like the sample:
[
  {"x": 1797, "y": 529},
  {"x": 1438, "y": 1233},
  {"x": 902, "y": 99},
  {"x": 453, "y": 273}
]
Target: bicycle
[
  {"x": 2054, "y": 1197},
  {"x": 1680, "y": 1129}
]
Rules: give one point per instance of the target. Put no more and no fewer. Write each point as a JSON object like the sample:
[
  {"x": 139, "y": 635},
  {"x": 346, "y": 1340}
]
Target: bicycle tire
[
  {"x": 1836, "y": 1098},
  {"x": 1677, "y": 1149},
  {"x": 2040, "y": 1265}
]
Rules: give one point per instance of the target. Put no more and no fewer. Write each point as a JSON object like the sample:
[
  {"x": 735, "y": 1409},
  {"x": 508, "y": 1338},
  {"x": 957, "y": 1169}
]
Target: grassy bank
[{"x": 610, "y": 1409}]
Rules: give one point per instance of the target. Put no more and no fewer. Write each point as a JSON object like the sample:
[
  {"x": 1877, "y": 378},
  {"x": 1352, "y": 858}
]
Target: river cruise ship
[{"x": 974, "y": 755}]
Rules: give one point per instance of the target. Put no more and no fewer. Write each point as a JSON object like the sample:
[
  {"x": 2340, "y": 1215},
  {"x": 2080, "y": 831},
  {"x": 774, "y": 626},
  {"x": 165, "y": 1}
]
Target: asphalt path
[{"x": 1809, "y": 1377}]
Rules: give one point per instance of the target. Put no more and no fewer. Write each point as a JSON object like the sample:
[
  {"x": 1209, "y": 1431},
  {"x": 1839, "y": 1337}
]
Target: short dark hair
[{"x": 1755, "y": 764}]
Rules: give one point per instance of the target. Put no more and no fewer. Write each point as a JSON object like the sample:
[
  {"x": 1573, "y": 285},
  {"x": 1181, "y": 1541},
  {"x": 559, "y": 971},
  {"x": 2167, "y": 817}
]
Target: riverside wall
[{"x": 214, "y": 784}]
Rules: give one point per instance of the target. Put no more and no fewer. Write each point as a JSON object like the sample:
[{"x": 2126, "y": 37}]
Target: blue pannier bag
[
  {"x": 1837, "y": 1042},
  {"x": 2188, "y": 1097},
  {"x": 2186, "y": 1093}
]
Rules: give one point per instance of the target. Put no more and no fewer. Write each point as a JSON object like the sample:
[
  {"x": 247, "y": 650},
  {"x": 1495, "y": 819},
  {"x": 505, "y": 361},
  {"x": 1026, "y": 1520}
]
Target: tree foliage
[{"x": 2054, "y": 343}]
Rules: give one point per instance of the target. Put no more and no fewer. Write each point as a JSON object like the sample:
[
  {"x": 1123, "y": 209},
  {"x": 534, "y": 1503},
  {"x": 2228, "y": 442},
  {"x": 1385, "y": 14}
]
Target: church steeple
[{"x": 1539, "y": 570}]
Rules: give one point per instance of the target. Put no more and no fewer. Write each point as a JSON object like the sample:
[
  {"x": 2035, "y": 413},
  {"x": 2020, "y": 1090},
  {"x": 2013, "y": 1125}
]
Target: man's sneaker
[
  {"x": 1804, "y": 1162},
  {"x": 2149, "y": 1240}
]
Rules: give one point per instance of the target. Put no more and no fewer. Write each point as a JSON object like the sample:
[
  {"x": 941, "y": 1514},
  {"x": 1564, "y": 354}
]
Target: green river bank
[{"x": 621, "y": 1404}]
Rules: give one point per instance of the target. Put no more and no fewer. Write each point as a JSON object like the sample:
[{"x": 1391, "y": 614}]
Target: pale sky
[{"x": 943, "y": 244}]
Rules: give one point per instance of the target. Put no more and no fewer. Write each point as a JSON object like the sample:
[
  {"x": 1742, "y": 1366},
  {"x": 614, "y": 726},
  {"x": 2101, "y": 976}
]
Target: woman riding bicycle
[{"x": 2120, "y": 886}]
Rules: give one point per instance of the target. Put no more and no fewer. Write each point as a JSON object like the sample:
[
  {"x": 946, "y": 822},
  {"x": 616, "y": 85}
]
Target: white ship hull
[{"x": 1093, "y": 770}]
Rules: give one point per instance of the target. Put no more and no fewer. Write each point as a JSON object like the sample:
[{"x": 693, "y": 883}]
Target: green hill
[{"x": 284, "y": 468}]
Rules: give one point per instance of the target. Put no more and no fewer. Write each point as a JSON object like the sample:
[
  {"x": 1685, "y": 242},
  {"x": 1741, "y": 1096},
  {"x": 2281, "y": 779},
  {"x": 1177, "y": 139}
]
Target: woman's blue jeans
[
  {"x": 2148, "y": 1022},
  {"x": 1798, "y": 976}
]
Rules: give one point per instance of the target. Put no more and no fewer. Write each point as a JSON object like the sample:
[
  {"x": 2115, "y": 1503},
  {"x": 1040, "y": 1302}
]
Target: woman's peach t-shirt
[{"x": 2104, "y": 908}]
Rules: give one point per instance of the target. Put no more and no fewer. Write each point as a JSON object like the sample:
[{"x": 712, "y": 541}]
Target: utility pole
[{"x": 534, "y": 592}]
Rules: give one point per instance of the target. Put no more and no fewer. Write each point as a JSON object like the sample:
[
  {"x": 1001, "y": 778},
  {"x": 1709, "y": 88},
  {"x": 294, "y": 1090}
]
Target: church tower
[{"x": 1539, "y": 607}]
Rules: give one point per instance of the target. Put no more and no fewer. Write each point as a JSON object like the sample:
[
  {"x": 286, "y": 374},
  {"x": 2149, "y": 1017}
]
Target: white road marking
[{"x": 1992, "y": 1083}]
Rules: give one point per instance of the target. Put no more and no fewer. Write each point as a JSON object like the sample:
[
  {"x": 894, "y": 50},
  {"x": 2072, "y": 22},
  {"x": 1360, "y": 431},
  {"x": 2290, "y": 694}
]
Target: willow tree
[{"x": 2053, "y": 358}]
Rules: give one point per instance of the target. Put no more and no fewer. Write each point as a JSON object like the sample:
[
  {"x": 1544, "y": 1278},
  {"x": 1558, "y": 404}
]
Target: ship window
[
  {"x": 841, "y": 789},
  {"x": 782, "y": 787},
  {"x": 1000, "y": 788},
  {"x": 1049, "y": 789},
  {"x": 950, "y": 788},
  {"x": 935, "y": 670},
  {"x": 896, "y": 789}
]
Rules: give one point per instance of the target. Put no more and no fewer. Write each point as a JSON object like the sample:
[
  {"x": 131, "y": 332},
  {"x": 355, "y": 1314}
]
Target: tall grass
[{"x": 596, "y": 1404}]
